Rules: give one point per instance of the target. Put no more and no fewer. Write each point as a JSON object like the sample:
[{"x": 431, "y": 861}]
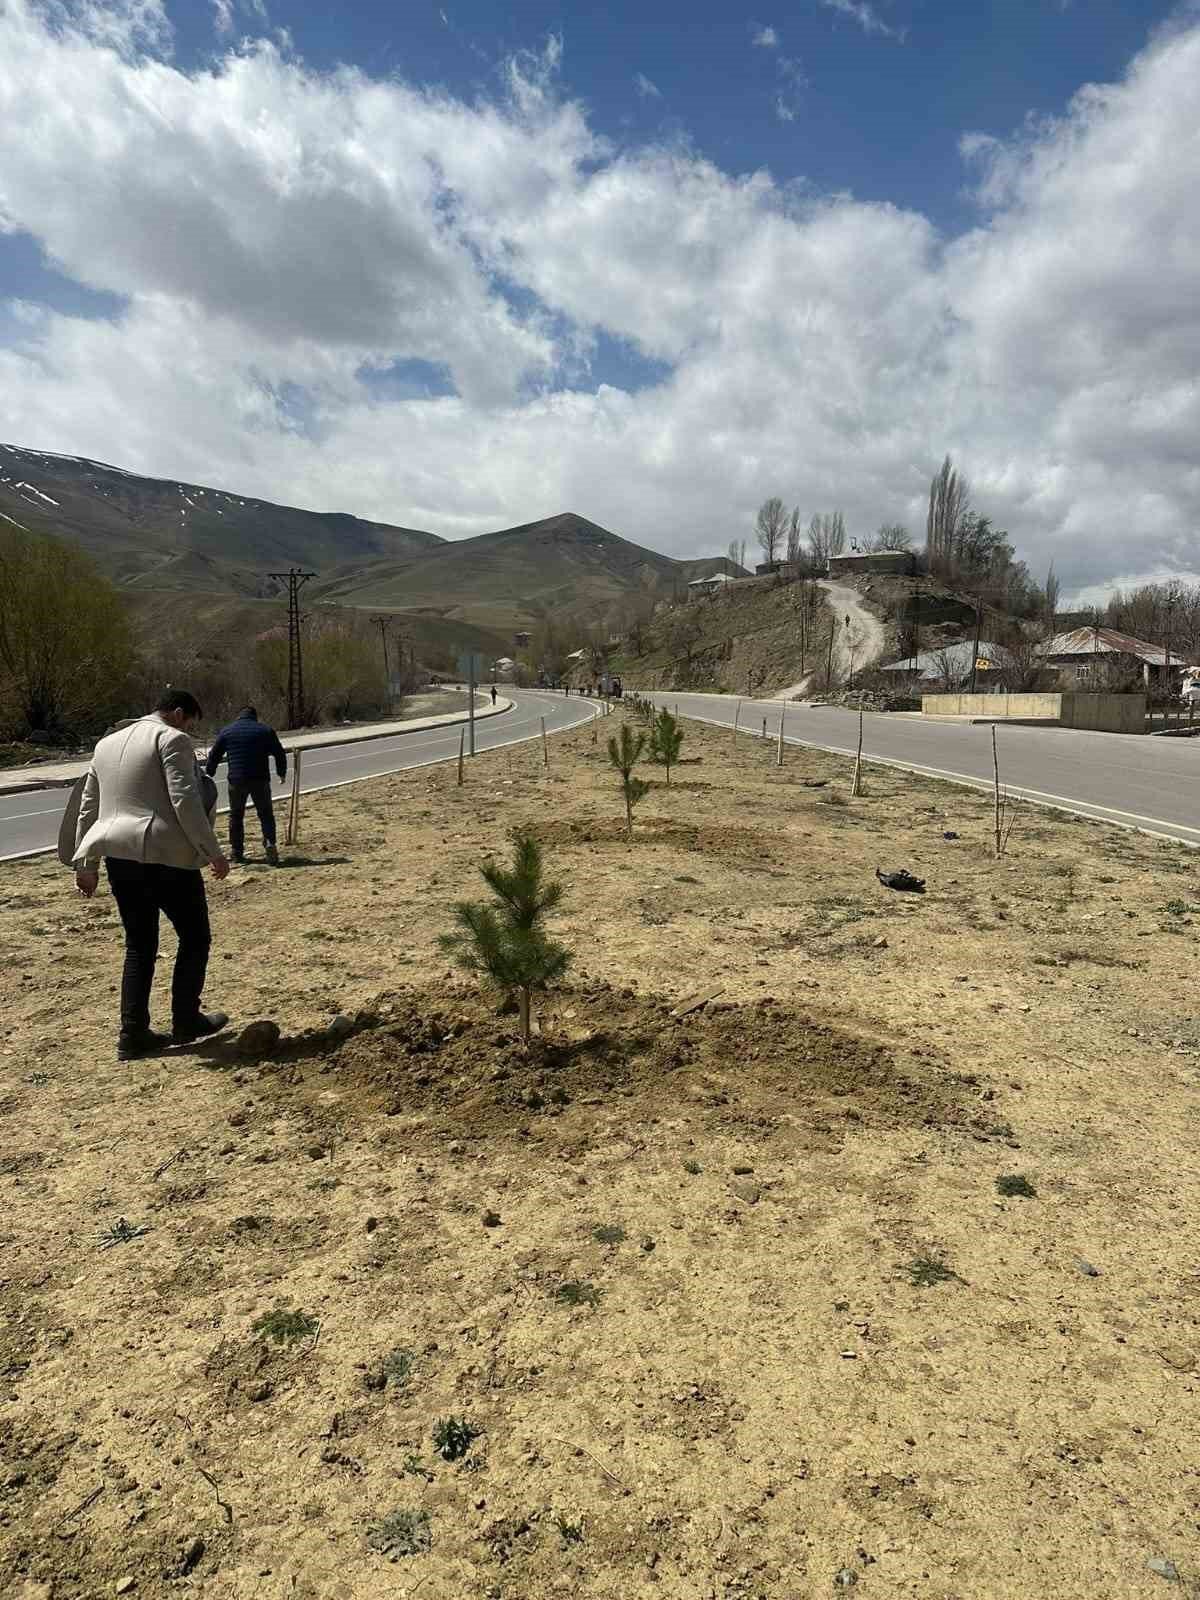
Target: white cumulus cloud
[
  {"x": 279, "y": 234},
  {"x": 645, "y": 86},
  {"x": 867, "y": 17}
]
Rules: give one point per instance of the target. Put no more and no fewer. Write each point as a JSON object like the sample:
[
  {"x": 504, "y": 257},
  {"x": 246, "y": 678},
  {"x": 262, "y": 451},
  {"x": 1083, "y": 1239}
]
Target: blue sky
[{"x": 647, "y": 265}]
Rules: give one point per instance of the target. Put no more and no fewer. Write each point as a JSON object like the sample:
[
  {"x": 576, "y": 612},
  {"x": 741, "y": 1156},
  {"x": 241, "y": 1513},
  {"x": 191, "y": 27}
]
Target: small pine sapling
[
  {"x": 507, "y": 941},
  {"x": 625, "y": 753},
  {"x": 666, "y": 741}
]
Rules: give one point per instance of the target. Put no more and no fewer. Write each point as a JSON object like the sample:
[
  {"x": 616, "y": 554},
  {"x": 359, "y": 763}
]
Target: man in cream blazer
[{"x": 142, "y": 811}]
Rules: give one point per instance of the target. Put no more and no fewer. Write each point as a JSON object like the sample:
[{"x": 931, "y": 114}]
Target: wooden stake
[
  {"x": 462, "y": 746},
  {"x": 545, "y": 746},
  {"x": 764, "y": 733},
  {"x": 996, "y": 791},
  {"x": 779, "y": 747},
  {"x": 736, "y": 717},
  {"x": 856, "y": 786},
  {"x": 292, "y": 836}
]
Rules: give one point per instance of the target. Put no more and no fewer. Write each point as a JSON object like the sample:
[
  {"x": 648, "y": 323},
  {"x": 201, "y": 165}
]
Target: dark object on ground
[
  {"x": 201, "y": 1025},
  {"x": 815, "y": 783},
  {"x": 950, "y": 835},
  {"x": 901, "y": 880},
  {"x": 258, "y": 1039},
  {"x": 1016, "y": 1185},
  {"x": 1086, "y": 1268}
]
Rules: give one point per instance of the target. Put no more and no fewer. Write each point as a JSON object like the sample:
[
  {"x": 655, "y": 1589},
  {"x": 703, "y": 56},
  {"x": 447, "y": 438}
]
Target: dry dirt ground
[{"x": 812, "y": 1346}]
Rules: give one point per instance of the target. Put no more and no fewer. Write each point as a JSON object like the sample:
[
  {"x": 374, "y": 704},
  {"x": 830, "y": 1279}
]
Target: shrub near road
[{"x": 729, "y": 1278}]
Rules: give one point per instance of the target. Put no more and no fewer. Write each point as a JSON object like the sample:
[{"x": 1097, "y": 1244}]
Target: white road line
[
  {"x": 1160, "y": 827},
  {"x": 22, "y": 815}
]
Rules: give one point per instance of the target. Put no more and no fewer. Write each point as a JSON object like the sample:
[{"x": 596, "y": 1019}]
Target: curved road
[
  {"x": 1147, "y": 783},
  {"x": 29, "y": 822}
]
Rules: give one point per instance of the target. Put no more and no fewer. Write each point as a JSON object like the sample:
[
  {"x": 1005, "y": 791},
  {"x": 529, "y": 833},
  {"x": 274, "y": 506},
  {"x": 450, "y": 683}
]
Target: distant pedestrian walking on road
[
  {"x": 250, "y": 746},
  {"x": 145, "y": 811},
  {"x": 493, "y": 694}
]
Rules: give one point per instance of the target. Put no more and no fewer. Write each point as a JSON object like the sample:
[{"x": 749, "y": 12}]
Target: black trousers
[
  {"x": 258, "y": 790},
  {"x": 142, "y": 891}
]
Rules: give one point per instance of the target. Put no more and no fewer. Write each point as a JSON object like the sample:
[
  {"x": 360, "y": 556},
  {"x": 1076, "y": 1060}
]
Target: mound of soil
[{"x": 462, "y": 1068}]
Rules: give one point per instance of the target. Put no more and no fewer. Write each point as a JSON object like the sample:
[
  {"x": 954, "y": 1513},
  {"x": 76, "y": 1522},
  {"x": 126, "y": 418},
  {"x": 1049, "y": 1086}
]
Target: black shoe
[
  {"x": 237, "y": 861},
  {"x": 145, "y": 1042},
  {"x": 201, "y": 1025},
  {"x": 272, "y": 855}
]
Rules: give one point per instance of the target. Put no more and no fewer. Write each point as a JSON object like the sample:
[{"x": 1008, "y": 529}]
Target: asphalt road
[
  {"x": 1142, "y": 782},
  {"x": 29, "y": 822}
]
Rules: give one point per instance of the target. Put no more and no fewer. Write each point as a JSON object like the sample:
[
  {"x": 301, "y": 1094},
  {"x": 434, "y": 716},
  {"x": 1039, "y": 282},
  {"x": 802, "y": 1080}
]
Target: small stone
[
  {"x": 258, "y": 1039},
  {"x": 261, "y": 1390},
  {"x": 315, "y": 1152},
  {"x": 456, "y": 1147},
  {"x": 742, "y": 1172},
  {"x": 1086, "y": 1267},
  {"x": 341, "y": 1027},
  {"x": 880, "y": 943},
  {"x": 845, "y": 1579},
  {"x": 375, "y": 1379},
  {"x": 124, "y": 1585},
  {"x": 747, "y": 1192},
  {"x": 490, "y": 1219},
  {"x": 647, "y": 1245},
  {"x": 371, "y": 1224},
  {"x": 1164, "y": 1568}
]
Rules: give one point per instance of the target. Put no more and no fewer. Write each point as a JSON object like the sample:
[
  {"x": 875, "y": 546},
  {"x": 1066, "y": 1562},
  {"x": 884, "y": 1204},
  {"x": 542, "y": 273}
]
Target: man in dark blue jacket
[{"x": 250, "y": 746}]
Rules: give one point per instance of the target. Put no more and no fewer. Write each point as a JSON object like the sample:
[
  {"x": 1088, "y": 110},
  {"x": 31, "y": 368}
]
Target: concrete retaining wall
[{"x": 1103, "y": 713}]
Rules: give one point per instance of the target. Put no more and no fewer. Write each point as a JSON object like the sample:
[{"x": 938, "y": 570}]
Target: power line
[{"x": 295, "y": 579}]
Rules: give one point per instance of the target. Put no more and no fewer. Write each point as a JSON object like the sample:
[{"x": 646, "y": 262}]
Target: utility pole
[
  {"x": 849, "y": 653},
  {"x": 975, "y": 657},
  {"x": 295, "y": 579},
  {"x": 387, "y": 671},
  {"x": 916, "y": 633}
]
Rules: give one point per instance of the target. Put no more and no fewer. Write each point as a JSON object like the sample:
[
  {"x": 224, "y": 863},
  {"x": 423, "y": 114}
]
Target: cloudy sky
[{"x": 457, "y": 267}]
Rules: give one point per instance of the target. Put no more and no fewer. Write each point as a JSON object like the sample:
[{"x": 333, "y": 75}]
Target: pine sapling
[
  {"x": 666, "y": 740},
  {"x": 506, "y": 941},
  {"x": 625, "y": 753}
]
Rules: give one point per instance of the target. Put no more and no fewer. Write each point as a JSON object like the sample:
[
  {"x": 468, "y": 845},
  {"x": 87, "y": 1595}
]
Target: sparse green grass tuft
[
  {"x": 577, "y": 1294},
  {"x": 1015, "y": 1183},
  {"x": 414, "y": 1467},
  {"x": 925, "y": 1271},
  {"x": 693, "y": 1167},
  {"x": 400, "y": 1533},
  {"x": 285, "y": 1327},
  {"x": 609, "y": 1233},
  {"x": 452, "y": 1437},
  {"x": 398, "y": 1367},
  {"x": 569, "y": 1532}
]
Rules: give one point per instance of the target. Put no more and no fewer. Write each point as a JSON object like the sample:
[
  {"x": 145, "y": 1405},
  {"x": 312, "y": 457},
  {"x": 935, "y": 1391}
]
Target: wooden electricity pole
[
  {"x": 295, "y": 579},
  {"x": 387, "y": 670}
]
